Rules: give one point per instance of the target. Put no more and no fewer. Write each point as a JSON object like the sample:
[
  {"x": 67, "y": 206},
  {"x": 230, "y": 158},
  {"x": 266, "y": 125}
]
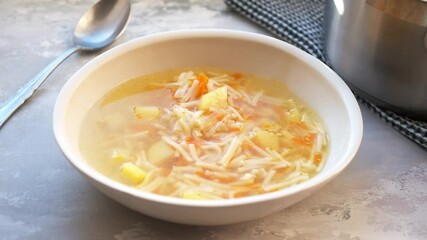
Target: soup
[{"x": 204, "y": 134}]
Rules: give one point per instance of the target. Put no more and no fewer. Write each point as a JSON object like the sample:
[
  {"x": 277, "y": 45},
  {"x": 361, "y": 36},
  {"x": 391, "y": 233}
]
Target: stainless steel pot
[{"x": 379, "y": 47}]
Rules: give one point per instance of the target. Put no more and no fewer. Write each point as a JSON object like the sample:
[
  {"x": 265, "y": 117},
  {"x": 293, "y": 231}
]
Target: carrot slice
[
  {"x": 307, "y": 140},
  {"x": 192, "y": 140},
  {"x": 241, "y": 194},
  {"x": 237, "y": 75},
  {"x": 179, "y": 162},
  {"x": 200, "y": 173},
  {"x": 203, "y": 84},
  {"x": 300, "y": 125},
  {"x": 317, "y": 159},
  {"x": 219, "y": 116}
]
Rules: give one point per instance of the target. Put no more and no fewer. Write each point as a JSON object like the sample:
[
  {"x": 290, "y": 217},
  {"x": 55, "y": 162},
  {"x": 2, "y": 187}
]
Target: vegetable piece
[
  {"x": 191, "y": 194},
  {"x": 203, "y": 84},
  {"x": 160, "y": 152},
  {"x": 236, "y": 75},
  {"x": 306, "y": 140},
  {"x": 317, "y": 158},
  {"x": 266, "y": 139},
  {"x": 216, "y": 99},
  {"x": 270, "y": 125},
  {"x": 300, "y": 125},
  {"x": 295, "y": 115},
  {"x": 132, "y": 172},
  {"x": 146, "y": 112},
  {"x": 120, "y": 155}
]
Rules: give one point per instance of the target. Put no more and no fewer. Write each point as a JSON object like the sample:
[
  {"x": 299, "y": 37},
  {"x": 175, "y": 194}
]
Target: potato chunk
[
  {"x": 216, "y": 99},
  {"x": 132, "y": 172},
  {"x": 295, "y": 115},
  {"x": 266, "y": 139},
  {"x": 191, "y": 194},
  {"x": 146, "y": 112},
  {"x": 160, "y": 152},
  {"x": 120, "y": 155}
]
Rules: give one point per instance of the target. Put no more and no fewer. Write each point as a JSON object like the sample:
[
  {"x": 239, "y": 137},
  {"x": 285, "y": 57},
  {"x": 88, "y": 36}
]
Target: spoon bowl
[{"x": 102, "y": 24}]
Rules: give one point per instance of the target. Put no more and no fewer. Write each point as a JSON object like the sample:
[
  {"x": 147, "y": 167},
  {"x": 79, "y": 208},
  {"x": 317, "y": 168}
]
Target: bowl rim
[{"x": 345, "y": 94}]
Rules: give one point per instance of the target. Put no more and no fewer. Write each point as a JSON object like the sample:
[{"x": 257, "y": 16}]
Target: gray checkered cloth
[{"x": 299, "y": 22}]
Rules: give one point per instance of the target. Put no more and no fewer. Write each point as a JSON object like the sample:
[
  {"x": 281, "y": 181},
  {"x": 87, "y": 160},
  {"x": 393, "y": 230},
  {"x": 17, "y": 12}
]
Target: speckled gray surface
[{"x": 381, "y": 195}]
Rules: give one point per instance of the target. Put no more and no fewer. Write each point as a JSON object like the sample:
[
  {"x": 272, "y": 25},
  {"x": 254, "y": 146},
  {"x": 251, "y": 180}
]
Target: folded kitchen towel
[{"x": 300, "y": 22}]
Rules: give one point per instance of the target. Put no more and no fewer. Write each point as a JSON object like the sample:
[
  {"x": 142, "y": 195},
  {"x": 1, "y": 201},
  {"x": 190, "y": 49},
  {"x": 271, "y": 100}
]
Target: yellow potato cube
[
  {"x": 132, "y": 172},
  {"x": 216, "y": 99},
  {"x": 191, "y": 194},
  {"x": 120, "y": 155},
  {"x": 146, "y": 112},
  {"x": 160, "y": 152},
  {"x": 266, "y": 139},
  {"x": 295, "y": 115},
  {"x": 270, "y": 125}
]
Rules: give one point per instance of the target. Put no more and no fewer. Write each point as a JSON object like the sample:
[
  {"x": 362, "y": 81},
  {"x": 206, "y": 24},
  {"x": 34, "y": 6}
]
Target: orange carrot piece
[
  {"x": 240, "y": 194},
  {"x": 252, "y": 185},
  {"x": 299, "y": 125},
  {"x": 172, "y": 91},
  {"x": 300, "y": 141},
  {"x": 226, "y": 180},
  {"x": 237, "y": 75},
  {"x": 203, "y": 84},
  {"x": 233, "y": 85},
  {"x": 192, "y": 140},
  {"x": 200, "y": 173},
  {"x": 219, "y": 116},
  {"x": 307, "y": 140},
  {"x": 179, "y": 162},
  {"x": 317, "y": 159}
]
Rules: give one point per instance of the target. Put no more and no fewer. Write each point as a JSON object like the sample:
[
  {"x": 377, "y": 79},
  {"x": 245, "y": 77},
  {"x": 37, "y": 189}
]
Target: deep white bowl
[{"x": 307, "y": 77}]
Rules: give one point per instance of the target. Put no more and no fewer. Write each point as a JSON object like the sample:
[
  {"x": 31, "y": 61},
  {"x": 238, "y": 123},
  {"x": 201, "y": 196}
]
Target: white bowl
[{"x": 307, "y": 77}]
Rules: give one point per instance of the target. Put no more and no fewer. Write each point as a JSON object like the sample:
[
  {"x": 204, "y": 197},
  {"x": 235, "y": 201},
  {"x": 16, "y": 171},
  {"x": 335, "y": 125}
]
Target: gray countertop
[{"x": 381, "y": 195}]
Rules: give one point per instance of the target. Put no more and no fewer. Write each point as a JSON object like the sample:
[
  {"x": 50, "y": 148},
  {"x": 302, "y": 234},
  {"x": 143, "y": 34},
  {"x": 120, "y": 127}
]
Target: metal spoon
[{"x": 98, "y": 28}]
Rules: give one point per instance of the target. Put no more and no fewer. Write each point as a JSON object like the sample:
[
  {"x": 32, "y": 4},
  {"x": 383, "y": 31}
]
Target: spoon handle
[{"x": 13, "y": 103}]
